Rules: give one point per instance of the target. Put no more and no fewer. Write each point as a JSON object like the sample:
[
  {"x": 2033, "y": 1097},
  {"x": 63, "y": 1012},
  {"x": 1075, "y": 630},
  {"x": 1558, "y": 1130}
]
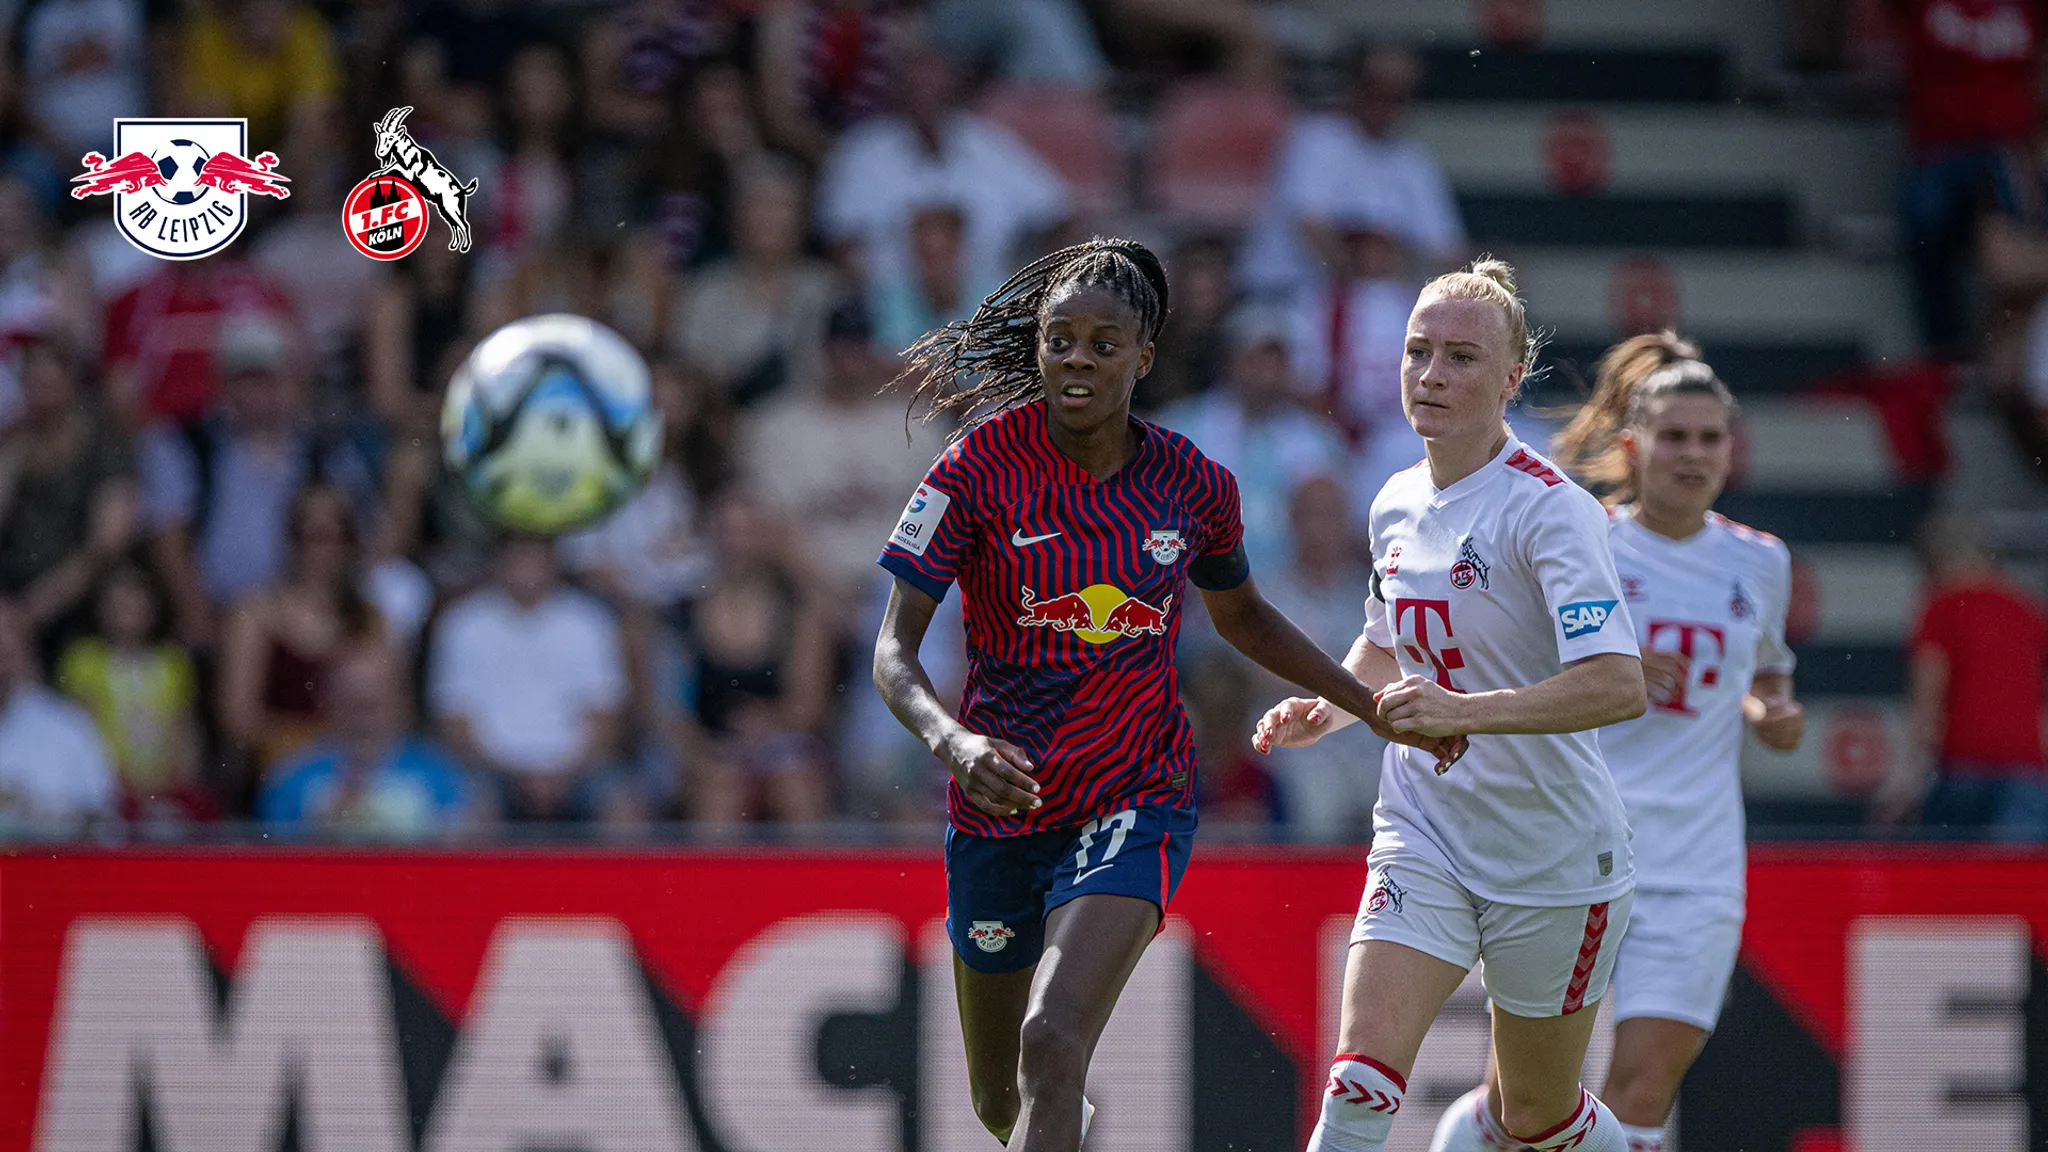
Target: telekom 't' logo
[
  {"x": 1705, "y": 666},
  {"x": 1444, "y": 658}
]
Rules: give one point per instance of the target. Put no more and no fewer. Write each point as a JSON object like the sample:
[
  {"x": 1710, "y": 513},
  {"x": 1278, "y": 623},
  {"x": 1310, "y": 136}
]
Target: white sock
[
  {"x": 1643, "y": 1139},
  {"x": 1358, "y": 1105},
  {"x": 1468, "y": 1126},
  {"x": 1088, "y": 1114},
  {"x": 1591, "y": 1128}
]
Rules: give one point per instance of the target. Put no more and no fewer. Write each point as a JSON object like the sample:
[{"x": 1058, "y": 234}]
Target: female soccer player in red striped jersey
[
  {"x": 1073, "y": 529},
  {"x": 1496, "y": 614},
  {"x": 1708, "y": 597}
]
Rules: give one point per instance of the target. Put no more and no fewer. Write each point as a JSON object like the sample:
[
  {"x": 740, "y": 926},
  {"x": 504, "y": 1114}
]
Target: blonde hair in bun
[{"x": 1492, "y": 281}]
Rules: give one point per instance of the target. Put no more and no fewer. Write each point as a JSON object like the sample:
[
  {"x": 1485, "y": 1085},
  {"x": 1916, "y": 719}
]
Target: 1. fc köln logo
[
  {"x": 385, "y": 216},
  {"x": 181, "y": 187}
]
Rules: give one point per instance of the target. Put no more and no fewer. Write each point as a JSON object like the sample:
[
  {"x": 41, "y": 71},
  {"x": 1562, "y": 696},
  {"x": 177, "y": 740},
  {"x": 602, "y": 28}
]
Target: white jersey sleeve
[
  {"x": 1376, "y": 629},
  {"x": 1773, "y": 654},
  {"x": 1566, "y": 535}
]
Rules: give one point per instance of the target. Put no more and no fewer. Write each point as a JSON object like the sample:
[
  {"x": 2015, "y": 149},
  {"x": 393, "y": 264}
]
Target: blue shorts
[{"x": 1000, "y": 889}]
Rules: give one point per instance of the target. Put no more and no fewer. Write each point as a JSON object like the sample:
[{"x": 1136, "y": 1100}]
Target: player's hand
[
  {"x": 1448, "y": 750},
  {"x": 1295, "y": 722},
  {"x": 1420, "y": 705},
  {"x": 1664, "y": 673},
  {"x": 994, "y": 775},
  {"x": 1779, "y": 722}
]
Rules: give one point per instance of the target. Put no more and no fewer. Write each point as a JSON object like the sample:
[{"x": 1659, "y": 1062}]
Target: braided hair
[{"x": 988, "y": 363}]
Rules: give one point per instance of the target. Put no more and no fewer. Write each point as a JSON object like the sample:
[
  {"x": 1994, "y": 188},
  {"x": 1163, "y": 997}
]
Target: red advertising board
[{"x": 726, "y": 1000}]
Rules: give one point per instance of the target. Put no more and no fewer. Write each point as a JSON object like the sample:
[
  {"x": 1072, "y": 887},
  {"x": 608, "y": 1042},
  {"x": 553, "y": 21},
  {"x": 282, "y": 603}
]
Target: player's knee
[
  {"x": 1640, "y": 1091},
  {"x": 1050, "y": 1051}
]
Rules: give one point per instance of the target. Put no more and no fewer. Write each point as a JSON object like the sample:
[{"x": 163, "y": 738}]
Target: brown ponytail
[{"x": 1633, "y": 374}]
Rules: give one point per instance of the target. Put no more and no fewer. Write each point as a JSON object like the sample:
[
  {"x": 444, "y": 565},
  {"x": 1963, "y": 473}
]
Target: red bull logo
[
  {"x": 181, "y": 188},
  {"x": 991, "y": 935},
  {"x": 1098, "y": 613}
]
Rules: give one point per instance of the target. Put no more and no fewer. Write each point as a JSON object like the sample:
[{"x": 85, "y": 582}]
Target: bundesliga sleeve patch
[
  {"x": 1584, "y": 617},
  {"x": 920, "y": 519}
]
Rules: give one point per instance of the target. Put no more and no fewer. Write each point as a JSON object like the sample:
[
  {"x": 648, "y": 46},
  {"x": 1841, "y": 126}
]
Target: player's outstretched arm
[
  {"x": 1262, "y": 632},
  {"x": 994, "y": 774},
  {"x": 1599, "y": 690}
]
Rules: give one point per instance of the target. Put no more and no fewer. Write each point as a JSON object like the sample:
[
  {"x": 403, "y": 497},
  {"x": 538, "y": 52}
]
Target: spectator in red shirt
[
  {"x": 1978, "y": 659},
  {"x": 1972, "y": 74},
  {"x": 162, "y": 334}
]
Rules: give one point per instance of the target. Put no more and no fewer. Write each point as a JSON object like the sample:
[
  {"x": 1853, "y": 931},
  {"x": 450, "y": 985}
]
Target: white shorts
[
  {"x": 1535, "y": 962},
  {"x": 1677, "y": 956}
]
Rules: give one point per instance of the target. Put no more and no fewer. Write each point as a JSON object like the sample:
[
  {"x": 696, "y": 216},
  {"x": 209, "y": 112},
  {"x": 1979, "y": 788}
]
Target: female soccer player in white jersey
[
  {"x": 1498, "y": 615},
  {"x": 1708, "y": 598}
]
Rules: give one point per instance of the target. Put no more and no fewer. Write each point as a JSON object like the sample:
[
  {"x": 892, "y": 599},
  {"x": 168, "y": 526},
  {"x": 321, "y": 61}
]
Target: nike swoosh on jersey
[
  {"x": 1020, "y": 539},
  {"x": 1083, "y": 875}
]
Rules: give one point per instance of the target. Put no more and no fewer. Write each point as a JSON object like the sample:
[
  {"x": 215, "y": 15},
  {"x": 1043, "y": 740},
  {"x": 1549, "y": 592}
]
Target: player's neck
[
  {"x": 1451, "y": 460},
  {"x": 1673, "y": 524},
  {"x": 1102, "y": 450}
]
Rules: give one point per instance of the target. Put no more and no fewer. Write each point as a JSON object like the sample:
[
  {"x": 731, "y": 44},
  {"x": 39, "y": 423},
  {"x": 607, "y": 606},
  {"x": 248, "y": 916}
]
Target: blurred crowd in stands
[{"x": 238, "y": 586}]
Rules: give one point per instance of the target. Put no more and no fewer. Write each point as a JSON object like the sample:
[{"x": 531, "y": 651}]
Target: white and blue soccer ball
[
  {"x": 550, "y": 424},
  {"x": 181, "y": 162}
]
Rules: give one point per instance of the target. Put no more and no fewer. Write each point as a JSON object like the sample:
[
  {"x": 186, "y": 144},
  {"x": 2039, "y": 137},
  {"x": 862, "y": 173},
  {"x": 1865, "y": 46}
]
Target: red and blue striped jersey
[{"x": 1072, "y": 589}]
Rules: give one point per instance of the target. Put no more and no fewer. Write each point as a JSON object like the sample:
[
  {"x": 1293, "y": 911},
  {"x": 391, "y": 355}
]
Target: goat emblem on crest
[{"x": 386, "y": 214}]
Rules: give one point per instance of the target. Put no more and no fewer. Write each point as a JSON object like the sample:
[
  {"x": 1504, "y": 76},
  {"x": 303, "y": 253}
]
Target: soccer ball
[
  {"x": 181, "y": 162},
  {"x": 550, "y": 424}
]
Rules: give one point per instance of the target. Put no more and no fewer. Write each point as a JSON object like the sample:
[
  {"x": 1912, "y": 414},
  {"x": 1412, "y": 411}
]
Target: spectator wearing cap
[
  {"x": 1253, "y": 425},
  {"x": 1350, "y": 325},
  {"x": 1335, "y": 165},
  {"x": 217, "y": 494},
  {"x": 933, "y": 151},
  {"x": 56, "y": 777},
  {"x": 1979, "y": 663},
  {"x": 368, "y": 775}
]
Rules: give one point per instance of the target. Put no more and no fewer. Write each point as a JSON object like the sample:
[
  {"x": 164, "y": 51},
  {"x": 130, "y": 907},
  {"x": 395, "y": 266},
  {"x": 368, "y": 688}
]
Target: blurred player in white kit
[{"x": 1708, "y": 597}]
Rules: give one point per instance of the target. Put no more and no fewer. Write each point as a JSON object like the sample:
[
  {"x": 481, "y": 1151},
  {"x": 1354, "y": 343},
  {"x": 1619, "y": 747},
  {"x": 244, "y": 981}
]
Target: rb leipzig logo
[{"x": 181, "y": 187}]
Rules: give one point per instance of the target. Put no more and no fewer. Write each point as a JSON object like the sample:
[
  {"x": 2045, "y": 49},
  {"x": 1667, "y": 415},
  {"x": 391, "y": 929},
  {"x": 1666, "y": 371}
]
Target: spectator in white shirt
[
  {"x": 1252, "y": 425},
  {"x": 528, "y": 683},
  {"x": 56, "y": 777},
  {"x": 1336, "y": 162},
  {"x": 931, "y": 152},
  {"x": 1350, "y": 325}
]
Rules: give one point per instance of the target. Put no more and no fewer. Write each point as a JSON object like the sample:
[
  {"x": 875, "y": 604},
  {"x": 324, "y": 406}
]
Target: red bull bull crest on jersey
[
  {"x": 1098, "y": 613},
  {"x": 181, "y": 187}
]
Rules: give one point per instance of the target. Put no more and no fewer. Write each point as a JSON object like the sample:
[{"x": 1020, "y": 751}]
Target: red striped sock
[
  {"x": 1359, "y": 1102},
  {"x": 1590, "y": 1128}
]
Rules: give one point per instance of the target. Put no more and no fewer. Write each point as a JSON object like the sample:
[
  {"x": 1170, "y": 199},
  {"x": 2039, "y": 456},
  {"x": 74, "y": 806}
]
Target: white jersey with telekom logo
[
  {"x": 1719, "y": 597},
  {"x": 1499, "y": 581}
]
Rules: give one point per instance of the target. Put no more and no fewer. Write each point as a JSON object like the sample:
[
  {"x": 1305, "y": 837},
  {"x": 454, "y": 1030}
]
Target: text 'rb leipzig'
[{"x": 181, "y": 187}]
